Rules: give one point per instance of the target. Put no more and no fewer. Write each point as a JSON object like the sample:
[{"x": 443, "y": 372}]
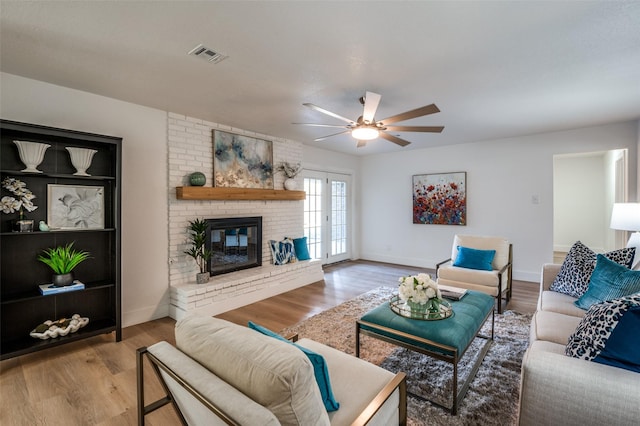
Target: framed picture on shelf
[
  {"x": 242, "y": 161},
  {"x": 440, "y": 198},
  {"x": 75, "y": 206}
]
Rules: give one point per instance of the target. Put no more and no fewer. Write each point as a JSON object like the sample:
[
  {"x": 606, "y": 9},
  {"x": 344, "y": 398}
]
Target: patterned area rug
[{"x": 492, "y": 398}]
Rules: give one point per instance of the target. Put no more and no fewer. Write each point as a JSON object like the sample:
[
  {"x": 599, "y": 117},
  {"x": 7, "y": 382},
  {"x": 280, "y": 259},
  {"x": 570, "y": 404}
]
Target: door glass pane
[
  {"x": 313, "y": 216},
  {"x": 338, "y": 217}
]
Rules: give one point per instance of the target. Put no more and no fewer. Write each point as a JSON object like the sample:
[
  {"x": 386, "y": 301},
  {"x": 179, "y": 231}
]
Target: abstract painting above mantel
[
  {"x": 440, "y": 198},
  {"x": 242, "y": 161}
]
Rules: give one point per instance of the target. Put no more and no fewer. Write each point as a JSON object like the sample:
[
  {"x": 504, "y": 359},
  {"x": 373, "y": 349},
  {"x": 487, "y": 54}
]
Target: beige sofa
[
  {"x": 559, "y": 390},
  {"x": 222, "y": 373}
]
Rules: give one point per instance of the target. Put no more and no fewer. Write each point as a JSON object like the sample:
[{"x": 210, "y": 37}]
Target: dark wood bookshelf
[{"x": 22, "y": 307}]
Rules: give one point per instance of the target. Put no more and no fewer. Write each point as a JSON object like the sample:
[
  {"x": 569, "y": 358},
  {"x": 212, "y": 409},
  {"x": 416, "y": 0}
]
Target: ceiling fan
[{"x": 366, "y": 128}]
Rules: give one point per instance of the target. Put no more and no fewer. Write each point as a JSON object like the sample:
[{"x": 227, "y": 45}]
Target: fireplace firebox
[{"x": 235, "y": 244}]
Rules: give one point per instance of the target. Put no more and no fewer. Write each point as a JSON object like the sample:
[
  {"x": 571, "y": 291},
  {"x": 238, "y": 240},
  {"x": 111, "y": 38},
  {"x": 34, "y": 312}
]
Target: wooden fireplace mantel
[{"x": 210, "y": 193}]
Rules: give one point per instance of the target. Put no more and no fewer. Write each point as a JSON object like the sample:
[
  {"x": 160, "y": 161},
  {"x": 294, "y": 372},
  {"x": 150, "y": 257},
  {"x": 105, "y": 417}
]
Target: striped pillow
[{"x": 609, "y": 280}]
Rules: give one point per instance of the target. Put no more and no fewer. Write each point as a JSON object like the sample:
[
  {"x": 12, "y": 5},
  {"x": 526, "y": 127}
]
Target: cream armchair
[
  {"x": 495, "y": 282},
  {"x": 220, "y": 373}
]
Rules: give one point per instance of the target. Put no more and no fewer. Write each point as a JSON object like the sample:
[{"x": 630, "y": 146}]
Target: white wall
[
  {"x": 579, "y": 195},
  {"x": 145, "y": 287},
  {"x": 502, "y": 177},
  {"x": 586, "y": 183},
  {"x": 637, "y": 199},
  {"x": 616, "y": 190}
]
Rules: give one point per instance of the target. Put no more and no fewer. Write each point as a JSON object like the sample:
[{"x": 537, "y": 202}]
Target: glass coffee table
[{"x": 447, "y": 339}]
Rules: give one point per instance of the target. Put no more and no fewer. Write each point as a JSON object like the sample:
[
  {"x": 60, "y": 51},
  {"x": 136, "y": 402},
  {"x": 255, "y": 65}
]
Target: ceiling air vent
[{"x": 207, "y": 54}]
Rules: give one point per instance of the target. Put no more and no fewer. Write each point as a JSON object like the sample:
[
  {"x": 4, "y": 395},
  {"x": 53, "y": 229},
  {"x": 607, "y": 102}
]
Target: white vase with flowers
[
  {"x": 423, "y": 297},
  {"x": 290, "y": 171},
  {"x": 23, "y": 200}
]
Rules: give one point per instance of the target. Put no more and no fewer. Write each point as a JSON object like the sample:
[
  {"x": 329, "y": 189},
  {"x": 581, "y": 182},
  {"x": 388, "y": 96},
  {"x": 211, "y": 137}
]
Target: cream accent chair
[
  {"x": 496, "y": 283},
  {"x": 220, "y": 373}
]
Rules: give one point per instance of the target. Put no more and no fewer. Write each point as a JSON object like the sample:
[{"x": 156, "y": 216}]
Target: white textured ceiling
[{"x": 495, "y": 69}]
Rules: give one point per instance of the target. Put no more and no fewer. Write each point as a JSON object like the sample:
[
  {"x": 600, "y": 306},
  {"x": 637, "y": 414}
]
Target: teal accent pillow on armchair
[{"x": 474, "y": 259}]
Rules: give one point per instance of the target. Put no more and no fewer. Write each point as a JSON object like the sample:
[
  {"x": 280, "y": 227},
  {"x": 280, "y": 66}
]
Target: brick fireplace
[{"x": 191, "y": 149}]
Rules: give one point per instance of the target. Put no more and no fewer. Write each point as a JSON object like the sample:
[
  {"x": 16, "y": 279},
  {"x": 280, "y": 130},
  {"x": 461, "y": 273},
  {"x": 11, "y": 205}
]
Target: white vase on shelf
[
  {"x": 290, "y": 184},
  {"x": 31, "y": 154},
  {"x": 81, "y": 159}
]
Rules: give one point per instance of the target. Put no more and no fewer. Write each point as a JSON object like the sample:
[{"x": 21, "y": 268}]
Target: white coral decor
[
  {"x": 418, "y": 289},
  {"x": 52, "y": 329}
]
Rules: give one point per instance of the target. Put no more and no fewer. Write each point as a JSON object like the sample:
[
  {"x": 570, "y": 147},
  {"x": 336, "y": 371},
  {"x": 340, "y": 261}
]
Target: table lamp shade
[{"x": 626, "y": 217}]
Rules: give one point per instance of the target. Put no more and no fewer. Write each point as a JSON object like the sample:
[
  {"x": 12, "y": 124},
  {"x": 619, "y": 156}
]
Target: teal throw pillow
[
  {"x": 609, "y": 280},
  {"x": 320, "y": 369},
  {"x": 474, "y": 259},
  {"x": 301, "y": 248}
]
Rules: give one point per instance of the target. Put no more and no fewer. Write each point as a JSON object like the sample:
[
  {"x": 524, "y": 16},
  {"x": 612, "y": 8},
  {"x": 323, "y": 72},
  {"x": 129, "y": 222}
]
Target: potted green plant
[
  {"x": 198, "y": 237},
  {"x": 62, "y": 260}
]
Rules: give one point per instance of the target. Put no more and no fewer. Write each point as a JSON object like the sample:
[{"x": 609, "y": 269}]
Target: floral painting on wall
[
  {"x": 242, "y": 161},
  {"x": 440, "y": 199}
]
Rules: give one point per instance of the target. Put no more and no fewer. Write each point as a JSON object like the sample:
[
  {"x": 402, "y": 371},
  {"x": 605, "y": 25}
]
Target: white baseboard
[{"x": 146, "y": 314}]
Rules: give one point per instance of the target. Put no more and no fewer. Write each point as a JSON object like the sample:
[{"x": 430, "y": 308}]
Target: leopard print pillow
[
  {"x": 595, "y": 328},
  {"x": 575, "y": 272}
]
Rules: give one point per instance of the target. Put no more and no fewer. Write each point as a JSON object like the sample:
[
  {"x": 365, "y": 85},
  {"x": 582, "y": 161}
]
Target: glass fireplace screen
[{"x": 235, "y": 243}]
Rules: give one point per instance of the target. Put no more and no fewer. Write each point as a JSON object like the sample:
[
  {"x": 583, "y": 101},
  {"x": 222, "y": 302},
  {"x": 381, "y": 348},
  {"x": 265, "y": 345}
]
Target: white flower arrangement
[
  {"x": 20, "y": 190},
  {"x": 290, "y": 170},
  {"x": 418, "y": 289}
]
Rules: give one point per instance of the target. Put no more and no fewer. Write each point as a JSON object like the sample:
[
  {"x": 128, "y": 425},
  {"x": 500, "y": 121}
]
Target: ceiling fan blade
[
  {"x": 371, "y": 102},
  {"x": 394, "y": 139},
  {"x": 329, "y": 113},
  {"x": 328, "y": 136},
  {"x": 322, "y": 125},
  {"x": 361, "y": 143},
  {"x": 418, "y": 112},
  {"x": 432, "y": 129}
]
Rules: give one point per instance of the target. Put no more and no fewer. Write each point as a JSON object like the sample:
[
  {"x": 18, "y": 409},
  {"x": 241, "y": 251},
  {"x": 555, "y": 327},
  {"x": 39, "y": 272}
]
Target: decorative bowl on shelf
[
  {"x": 81, "y": 159},
  {"x": 52, "y": 329},
  {"x": 31, "y": 154}
]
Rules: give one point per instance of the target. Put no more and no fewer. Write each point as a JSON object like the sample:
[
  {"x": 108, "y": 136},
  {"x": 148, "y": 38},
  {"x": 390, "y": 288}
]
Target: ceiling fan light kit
[
  {"x": 365, "y": 133},
  {"x": 366, "y": 128}
]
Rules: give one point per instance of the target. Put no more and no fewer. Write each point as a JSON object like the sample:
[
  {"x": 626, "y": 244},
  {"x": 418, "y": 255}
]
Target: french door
[{"x": 327, "y": 215}]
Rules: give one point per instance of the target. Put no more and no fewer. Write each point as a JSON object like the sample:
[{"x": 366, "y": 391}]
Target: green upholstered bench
[{"x": 447, "y": 339}]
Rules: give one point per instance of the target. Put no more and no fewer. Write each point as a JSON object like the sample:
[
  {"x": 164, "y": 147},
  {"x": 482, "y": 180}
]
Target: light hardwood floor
[{"x": 92, "y": 382}]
